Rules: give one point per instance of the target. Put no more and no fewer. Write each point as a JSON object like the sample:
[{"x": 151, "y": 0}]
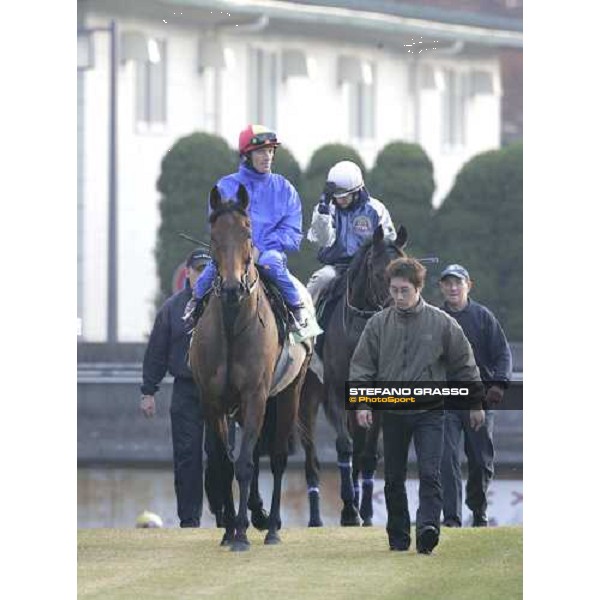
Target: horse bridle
[
  {"x": 246, "y": 287},
  {"x": 357, "y": 312}
]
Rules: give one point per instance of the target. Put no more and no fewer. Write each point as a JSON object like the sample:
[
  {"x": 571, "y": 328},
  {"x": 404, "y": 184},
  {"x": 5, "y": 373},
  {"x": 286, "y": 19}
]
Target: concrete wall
[{"x": 111, "y": 430}]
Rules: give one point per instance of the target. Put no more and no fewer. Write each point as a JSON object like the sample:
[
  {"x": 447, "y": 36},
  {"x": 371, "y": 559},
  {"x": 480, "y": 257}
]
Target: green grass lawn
[{"x": 327, "y": 563}]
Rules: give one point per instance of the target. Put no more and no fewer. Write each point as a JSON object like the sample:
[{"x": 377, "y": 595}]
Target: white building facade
[{"x": 316, "y": 74}]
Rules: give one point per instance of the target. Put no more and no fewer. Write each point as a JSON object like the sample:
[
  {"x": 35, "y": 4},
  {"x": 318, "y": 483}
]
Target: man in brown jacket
[{"x": 409, "y": 342}]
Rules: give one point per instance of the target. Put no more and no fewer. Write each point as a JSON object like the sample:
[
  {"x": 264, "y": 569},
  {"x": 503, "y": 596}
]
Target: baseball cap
[
  {"x": 455, "y": 271},
  {"x": 197, "y": 257}
]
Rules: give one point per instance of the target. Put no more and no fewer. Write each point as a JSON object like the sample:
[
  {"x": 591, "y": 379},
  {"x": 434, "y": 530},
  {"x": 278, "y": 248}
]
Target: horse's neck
[{"x": 358, "y": 290}]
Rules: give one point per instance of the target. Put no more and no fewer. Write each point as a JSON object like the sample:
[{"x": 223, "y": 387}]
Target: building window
[
  {"x": 262, "y": 80},
  {"x": 454, "y": 108},
  {"x": 151, "y": 85},
  {"x": 362, "y": 103}
]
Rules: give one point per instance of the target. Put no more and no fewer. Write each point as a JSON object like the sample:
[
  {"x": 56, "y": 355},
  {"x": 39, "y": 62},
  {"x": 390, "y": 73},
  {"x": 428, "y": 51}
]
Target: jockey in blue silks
[{"x": 275, "y": 215}]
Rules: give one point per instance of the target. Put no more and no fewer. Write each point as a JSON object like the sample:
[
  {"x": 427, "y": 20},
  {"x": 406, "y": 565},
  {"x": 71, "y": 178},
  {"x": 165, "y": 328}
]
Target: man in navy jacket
[
  {"x": 493, "y": 357},
  {"x": 167, "y": 351}
]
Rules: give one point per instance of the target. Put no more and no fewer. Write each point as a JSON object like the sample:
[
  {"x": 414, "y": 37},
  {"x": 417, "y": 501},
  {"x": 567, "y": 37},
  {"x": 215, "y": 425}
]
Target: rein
[
  {"x": 247, "y": 287},
  {"x": 353, "y": 311}
]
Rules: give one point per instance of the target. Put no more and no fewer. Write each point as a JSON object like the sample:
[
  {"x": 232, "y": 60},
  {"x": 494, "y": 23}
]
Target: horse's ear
[
  {"x": 242, "y": 196},
  {"x": 402, "y": 237},
  {"x": 215, "y": 198},
  {"x": 378, "y": 235}
]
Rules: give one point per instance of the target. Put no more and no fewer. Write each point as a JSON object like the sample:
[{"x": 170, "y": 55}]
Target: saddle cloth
[{"x": 295, "y": 349}]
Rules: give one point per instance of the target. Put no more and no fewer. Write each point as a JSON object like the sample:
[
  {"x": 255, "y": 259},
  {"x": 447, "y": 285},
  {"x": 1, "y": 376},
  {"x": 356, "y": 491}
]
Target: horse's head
[
  {"x": 367, "y": 271},
  {"x": 231, "y": 245}
]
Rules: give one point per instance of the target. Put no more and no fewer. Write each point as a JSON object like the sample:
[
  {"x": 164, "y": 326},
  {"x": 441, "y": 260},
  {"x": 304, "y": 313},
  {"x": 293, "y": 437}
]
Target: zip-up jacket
[
  {"x": 341, "y": 232},
  {"x": 490, "y": 346},
  {"x": 419, "y": 344},
  {"x": 168, "y": 344},
  {"x": 275, "y": 209}
]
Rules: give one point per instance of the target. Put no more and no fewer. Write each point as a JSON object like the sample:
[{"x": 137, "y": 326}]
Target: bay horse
[
  {"x": 233, "y": 353},
  {"x": 365, "y": 293}
]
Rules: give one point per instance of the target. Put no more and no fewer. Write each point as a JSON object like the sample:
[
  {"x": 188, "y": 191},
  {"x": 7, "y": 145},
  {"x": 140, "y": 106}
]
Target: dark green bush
[
  {"x": 285, "y": 164},
  {"x": 321, "y": 161},
  {"x": 402, "y": 178},
  {"x": 480, "y": 225},
  {"x": 188, "y": 171}
]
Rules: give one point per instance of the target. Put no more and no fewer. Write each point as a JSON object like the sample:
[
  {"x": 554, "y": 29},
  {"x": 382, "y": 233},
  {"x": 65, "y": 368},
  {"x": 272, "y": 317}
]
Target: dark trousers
[
  {"x": 479, "y": 449},
  {"x": 187, "y": 430},
  {"x": 427, "y": 429}
]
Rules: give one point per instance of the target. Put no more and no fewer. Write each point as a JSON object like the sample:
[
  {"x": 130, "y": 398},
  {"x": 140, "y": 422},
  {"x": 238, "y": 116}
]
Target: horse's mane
[
  {"x": 226, "y": 207},
  {"x": 356, "y": 264},
  {"x": 356, "y": 275}
]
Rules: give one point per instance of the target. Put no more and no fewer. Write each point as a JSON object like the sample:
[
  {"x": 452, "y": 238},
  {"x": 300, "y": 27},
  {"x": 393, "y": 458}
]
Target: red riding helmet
[{"x": 255, "y": 137}]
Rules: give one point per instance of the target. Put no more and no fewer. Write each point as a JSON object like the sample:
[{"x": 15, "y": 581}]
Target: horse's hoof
[
  {"x": 260, "y": 519},
  {"x": 227, "y": 539},
  {"x": 315, "y": 523},
  {"x": 238, "y": 546},
  {"x": 272, "y": 538},
  {"x": 368, "y": 522},
  {"x": 350, "y": 517}
]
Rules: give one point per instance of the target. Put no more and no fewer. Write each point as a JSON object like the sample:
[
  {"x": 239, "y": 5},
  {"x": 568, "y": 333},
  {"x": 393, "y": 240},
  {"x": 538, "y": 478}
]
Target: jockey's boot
[
  {"x": 300, "y": 318},
  {"x": 190, "y": 314},
  {"x": 193, "y": 311}
]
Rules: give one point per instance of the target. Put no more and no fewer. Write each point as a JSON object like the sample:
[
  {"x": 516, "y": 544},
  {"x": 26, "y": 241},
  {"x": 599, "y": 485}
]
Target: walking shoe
[
  {"x": 300, "y": 317},
  {"x": 189, "y": 523},
  {"x": 480, "y": 519},
  {"x": 398, "y": 544},
  {"x": 427, "y": 539},
  {"x": 190, "y": 314},
  {"x": 399, "y": 547},
  {"x": 451, "y": 523}
]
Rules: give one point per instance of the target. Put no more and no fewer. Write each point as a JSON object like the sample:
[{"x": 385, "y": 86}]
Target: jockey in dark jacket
[{"x": 345, "y": 217}]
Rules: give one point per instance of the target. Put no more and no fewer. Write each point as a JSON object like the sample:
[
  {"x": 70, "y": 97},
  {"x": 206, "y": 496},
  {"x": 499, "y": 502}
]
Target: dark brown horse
[
  {"x": 366, "y": 292},
  {"x": 233, "y": 354}
]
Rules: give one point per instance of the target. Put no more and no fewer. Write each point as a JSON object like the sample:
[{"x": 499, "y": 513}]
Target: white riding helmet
[{"x": 347, "y": 177}]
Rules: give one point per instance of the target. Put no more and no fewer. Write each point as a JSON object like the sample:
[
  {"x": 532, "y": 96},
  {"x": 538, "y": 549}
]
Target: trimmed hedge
[
  {"x": 189, "y": 169},
  {"x": 402, "y": 178},
  {"x": 480, "y": 225},
  {"x": 321, "y": 161},
  {"x": 285, "y": 164}
]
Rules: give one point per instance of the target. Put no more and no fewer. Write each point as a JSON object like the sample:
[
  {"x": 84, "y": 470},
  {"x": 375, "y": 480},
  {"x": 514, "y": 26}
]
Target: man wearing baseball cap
[
  {"x": 167, "y": 351},
  {"x": 494, "y": 359}
]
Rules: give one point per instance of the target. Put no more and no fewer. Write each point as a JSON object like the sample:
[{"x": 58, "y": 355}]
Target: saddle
[{"x": 278, "y": 305}]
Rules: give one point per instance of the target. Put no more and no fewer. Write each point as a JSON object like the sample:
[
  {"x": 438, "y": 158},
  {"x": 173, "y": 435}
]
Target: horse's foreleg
[
  {"x": 228, "y": 504},
  {"x": 310, "y": 397},
  {"x": 244, "y": 468},
  {"x": 369, "y": 459},
  {"x": 259, "y": 515},
  {"x": 278, "y": 465},
  {"x": 223, "y": 468},
  {"x": 344, "y": 447},
  {"x": 287, "y": 405}
]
